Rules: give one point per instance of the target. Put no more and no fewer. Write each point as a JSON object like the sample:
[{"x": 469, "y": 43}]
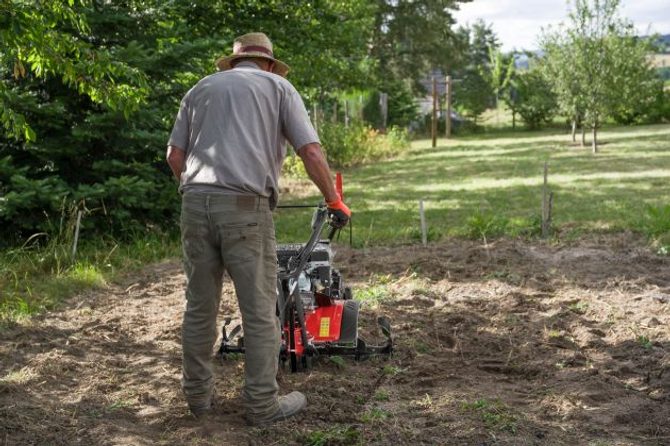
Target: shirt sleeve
[
  {"x": 296, "y": 126},
  {"x": 181, "y": 129}
]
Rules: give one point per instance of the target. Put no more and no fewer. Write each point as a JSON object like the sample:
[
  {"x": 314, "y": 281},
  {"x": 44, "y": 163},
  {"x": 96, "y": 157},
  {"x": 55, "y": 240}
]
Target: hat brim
[{"x": 225, "y": 63}]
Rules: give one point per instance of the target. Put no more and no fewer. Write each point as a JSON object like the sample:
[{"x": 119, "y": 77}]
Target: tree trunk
[
  {"x": 513, "y": 119},
  {"x": 583, "y": 135},
  {"x": 594, "y": 144},
  {"x": 574, "y": 130}
]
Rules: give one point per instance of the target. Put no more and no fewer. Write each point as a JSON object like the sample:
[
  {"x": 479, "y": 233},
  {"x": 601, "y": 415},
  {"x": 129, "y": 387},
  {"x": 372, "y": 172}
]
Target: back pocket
[{"x": 240, "y": 242}]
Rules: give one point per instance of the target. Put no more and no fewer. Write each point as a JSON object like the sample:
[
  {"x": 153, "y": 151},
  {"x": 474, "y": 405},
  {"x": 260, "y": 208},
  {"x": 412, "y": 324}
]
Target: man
[{"x": 226, "y": 149}]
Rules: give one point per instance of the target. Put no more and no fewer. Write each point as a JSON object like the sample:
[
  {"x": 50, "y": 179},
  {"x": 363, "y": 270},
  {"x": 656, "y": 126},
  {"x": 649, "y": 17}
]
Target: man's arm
[
  {"x": 176, "y": 157},
  {"x": 319, "y": 172}
]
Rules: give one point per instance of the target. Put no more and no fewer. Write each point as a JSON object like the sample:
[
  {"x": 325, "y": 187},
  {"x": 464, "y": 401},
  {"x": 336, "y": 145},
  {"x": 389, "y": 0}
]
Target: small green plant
[
  {"x": 494, "y": 414},
  {"x": 553, "y": 334},
  {"x": 422, "y": 347},
  {"x": 645, "y": 342},
  {"x": 338, "y": 361},
  {"x": 578, "y": 307},
  {"x": 374, "y": 415},
  {"x": 119, "y": 404},
  {"x": 372, "y": 294},
  {"x": 486, "y": 225},
  {"x": 391, "y": 370},
  {"x": 382, "y": 395},
  {"x": 336, "y": 436}
]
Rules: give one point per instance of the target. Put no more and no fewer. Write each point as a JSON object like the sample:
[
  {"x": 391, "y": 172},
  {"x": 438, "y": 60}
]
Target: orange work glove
[{"x": 339, "y": 213}]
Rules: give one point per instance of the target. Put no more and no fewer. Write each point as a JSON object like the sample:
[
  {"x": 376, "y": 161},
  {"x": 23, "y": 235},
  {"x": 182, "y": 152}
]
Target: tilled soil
[{"x": 510, "y": 343}]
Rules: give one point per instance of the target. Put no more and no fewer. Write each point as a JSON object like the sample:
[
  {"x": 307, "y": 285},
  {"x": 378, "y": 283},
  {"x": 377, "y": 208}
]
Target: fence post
[
  {"x": 447, "y": 123},
  {"x": 547, "y": 203},
  {"x": 383, "y": 107},
  {"x": 424, "y": 235},
  {"x": 433, "y": 131},
  {"x": 346, "y": 113},
  {"x": 76, "y": 234}
]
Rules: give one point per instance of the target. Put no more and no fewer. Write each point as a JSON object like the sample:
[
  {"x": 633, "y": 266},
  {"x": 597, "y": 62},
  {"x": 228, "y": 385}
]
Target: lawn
[{"x": 491, "y": 184}]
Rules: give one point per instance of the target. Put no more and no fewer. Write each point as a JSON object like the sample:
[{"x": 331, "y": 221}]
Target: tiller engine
[{"x": 316, "y": 310}]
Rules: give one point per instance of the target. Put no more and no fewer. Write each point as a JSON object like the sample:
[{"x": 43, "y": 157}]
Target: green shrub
[
  {"x": 358, "y": 143},
  {"x": 486, "y": 225},
  {"x": 535, "y": 102},
  {"x": 293, "y": 167}
]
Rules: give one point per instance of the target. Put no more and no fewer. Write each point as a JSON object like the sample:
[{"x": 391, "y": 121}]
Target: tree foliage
[
  {"x": 89, "y": 90},
  {"x": 482, "y": 73},
  {"x": 472, "y": 95},
  {"x": 412, "y": 37},
  {"x": 597, "y": 67},
  {"x": 533, "y": 98}
]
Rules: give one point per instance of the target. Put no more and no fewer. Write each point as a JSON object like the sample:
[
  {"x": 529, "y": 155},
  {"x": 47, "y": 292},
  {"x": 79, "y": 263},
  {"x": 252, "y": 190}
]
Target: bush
[
  {"x": 659, "y": 111},
  {"x": 534, "y": 101},
  {"x": 358, "y": 143}
]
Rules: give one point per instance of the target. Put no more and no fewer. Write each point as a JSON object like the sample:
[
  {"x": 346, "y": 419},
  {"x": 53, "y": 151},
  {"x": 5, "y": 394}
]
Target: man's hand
[{"x": 339, "y": 213}]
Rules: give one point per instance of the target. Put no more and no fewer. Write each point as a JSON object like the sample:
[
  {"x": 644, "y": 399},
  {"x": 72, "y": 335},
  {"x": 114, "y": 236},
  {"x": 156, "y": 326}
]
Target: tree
[
  {"x": 535, "y": 102},
  {"x": 412, "y": 37},
  {"x": 498, "y": 73},
  {"x": 473, "y": 94},
  {"x": 634, "y": 82},
  {"x": 594, "y": 62},
  {"x": 484, "y": 71}
]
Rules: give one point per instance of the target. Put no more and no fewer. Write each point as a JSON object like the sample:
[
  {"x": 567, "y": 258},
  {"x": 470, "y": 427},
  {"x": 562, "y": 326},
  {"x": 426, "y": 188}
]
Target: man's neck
[{"x": 248, "y": 64}]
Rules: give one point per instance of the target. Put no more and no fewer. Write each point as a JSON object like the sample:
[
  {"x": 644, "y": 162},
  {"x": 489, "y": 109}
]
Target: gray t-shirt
[{"x": 234, "y": 125}]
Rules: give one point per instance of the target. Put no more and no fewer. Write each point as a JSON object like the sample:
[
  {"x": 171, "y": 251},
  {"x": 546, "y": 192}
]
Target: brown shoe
[
  {"x": 201, "y": 410},
  {"x": 289, "y": 405}
]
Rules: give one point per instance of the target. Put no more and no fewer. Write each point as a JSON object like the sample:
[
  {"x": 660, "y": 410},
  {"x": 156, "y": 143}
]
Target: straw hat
[{"x": 252, "y": 45}]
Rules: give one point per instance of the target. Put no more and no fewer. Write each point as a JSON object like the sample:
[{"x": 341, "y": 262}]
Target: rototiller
[{"x": 316, "y": 310}]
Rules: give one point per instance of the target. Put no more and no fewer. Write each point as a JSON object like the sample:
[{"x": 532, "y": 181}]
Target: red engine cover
[{"x": 323, "y": 324}]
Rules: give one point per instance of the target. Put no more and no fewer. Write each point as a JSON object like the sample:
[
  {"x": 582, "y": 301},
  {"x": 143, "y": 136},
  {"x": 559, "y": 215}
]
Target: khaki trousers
[{"x": 233, "y": 233}]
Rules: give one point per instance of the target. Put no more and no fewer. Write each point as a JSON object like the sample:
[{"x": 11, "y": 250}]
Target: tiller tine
[
  {"x": 385, "y": 326},
  {"x": 227, "y": 340},
  {"x": 234, "y": 332}
]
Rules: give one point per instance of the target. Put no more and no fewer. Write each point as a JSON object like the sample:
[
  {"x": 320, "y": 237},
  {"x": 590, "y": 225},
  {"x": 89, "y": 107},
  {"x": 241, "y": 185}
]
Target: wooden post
[
  {"x": 433, "y": 131},
  {"x": 384, "y": 109},
  {"x": 547, "y": 203},
  {"x": 447, "y": 126},
  {"x": 76, "y": 234},
  {"x": 424, "y": 235},
  {"x": 346, "y": 113}
]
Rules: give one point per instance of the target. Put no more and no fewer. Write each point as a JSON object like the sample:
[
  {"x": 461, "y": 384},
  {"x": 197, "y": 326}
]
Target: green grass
[
  {"x": 35, "y": 278},
  {"x": 493, "y": 413},
  {"x": 491, "y": 185},
  {"x": 332, "y": 437}
]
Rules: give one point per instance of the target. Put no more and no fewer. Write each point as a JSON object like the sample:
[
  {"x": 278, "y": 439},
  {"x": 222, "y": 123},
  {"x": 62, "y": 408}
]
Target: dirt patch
[{"x": 512, "y": 343}]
